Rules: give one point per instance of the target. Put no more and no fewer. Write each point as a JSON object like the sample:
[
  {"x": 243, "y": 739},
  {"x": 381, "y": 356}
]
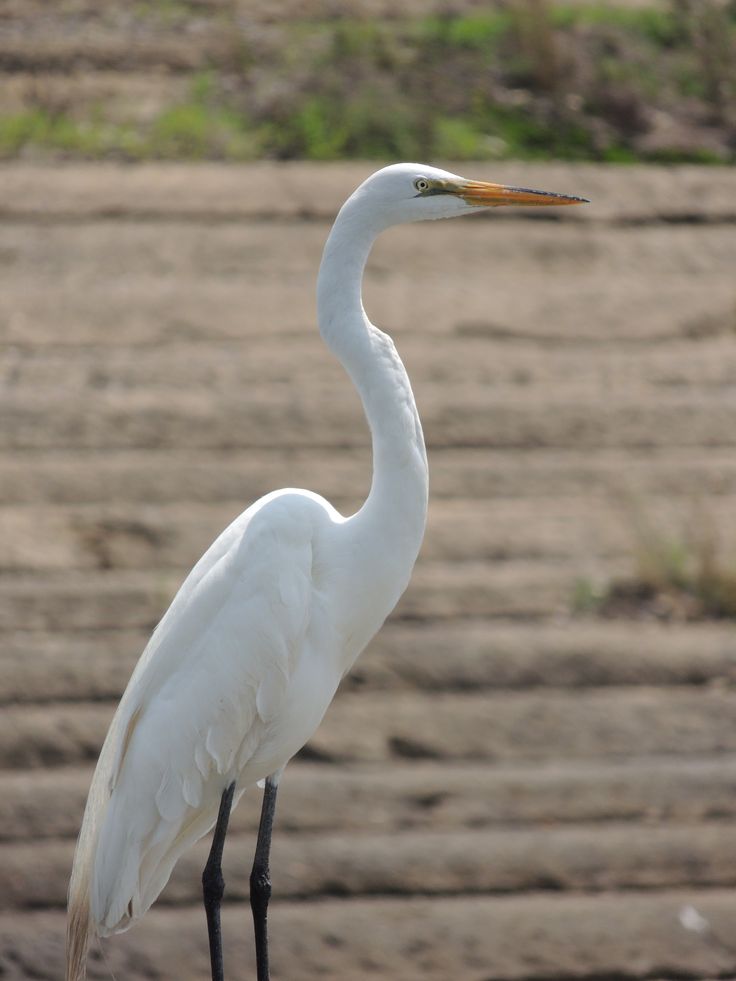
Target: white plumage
[{"x": 242, "y": 667}]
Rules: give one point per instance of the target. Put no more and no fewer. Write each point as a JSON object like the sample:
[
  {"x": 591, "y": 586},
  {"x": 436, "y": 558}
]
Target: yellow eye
[{"x": 421, "y": 184}]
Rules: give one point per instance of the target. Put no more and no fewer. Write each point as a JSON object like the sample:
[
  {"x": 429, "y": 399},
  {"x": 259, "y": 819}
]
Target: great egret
[{"x": 241, "y": 669}]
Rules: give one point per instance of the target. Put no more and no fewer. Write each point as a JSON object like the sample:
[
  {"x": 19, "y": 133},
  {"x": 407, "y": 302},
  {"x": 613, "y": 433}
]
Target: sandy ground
[{"x": 503, "y": 789}]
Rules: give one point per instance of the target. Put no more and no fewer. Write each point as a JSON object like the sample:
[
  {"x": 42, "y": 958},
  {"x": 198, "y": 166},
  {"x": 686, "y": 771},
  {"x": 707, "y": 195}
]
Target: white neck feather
[{"x": 394, "y": 515}]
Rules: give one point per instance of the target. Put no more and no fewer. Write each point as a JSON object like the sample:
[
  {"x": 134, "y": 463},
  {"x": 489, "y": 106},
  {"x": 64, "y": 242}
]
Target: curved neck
[{"x": 396, "y": 507}]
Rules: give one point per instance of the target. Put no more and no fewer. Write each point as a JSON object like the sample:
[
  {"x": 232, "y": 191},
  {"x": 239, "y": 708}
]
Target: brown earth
[
  {"x": 78, "y": 54},
  {"x": 503, "y": 789}
]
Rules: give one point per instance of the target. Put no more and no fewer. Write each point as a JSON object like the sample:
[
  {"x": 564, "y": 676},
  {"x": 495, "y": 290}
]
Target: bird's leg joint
[
  {"x": 260, "y": 887},
  {"x": 213, "y": 884}
]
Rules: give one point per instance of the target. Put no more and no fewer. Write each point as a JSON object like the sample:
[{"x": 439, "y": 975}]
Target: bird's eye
[{"x": 421, "y": 184}]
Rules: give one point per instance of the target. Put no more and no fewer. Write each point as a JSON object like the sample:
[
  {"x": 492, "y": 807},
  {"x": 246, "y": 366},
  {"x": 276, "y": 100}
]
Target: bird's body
[
  {"x": 204, "y": 708},
  {"x": 241, "y": 669}
]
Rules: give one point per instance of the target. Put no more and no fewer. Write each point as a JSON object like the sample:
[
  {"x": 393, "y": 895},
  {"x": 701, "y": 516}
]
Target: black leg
[
  {"x": 213, "y": 884},
  {"x": 260, "y": 879}
]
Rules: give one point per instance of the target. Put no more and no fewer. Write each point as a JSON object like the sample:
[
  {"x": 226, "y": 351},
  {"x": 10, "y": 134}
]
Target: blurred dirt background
[
  {"x": 531, "y": 773},
  {"x": 509, "y": 785}
]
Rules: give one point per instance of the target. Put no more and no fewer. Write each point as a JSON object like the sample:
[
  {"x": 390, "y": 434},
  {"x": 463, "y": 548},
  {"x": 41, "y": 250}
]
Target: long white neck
[{"x": 394, "y": 515}]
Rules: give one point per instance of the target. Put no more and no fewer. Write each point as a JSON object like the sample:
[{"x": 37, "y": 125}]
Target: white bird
[{"x": 241, "y": 669}]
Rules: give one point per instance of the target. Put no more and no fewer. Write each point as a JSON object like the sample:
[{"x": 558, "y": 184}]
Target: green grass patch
[
  {"x": 185, "y": 132},
  {"x": 474, "y": 32},
  {"x": 533, "y": 80},
  {"x": 200, "y": 128},
  {"x": 683, "y": 575},
  {"x": 656, "y": 25}
]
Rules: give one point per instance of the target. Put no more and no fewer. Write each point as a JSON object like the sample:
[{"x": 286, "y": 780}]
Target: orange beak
[{"x": 480, "y": 193}]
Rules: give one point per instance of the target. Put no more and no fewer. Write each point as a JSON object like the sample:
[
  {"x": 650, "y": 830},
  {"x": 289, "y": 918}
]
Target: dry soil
[{"x": 504, "y": 789}]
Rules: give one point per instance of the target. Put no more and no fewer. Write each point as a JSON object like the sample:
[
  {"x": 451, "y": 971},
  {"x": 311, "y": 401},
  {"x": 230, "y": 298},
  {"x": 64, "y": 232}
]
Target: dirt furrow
[
  {"x": 172, "y": 537},
  {"x": 461, "y": 365},
  {"x": 453, "y": 655},
  {"x": 609, "y": 723},
  {"x": 275, "y": 418},
  {"x": 296, "y": 190},
  {"x": 630, "y": 936},
  {"x": 200, "y": 284},
  {"x": 178, "y": 476},
  {"x": 47, "y": 50},
  {"x": 137, "y": 600},
  {"x": 582, "y": 529},
  {"x": 423, "y": 795},
  {"x": 420, "y": 863}
]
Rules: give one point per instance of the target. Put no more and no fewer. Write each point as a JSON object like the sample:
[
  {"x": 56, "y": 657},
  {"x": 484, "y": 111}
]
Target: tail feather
[
  {"x": 79, "y": 919},
  {"x": 78, "y": 931},
  {"x": 80, "y": 925}
]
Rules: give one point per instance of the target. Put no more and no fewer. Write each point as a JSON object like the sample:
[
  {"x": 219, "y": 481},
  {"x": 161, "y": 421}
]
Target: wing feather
[{"x": 201, "y": 700}]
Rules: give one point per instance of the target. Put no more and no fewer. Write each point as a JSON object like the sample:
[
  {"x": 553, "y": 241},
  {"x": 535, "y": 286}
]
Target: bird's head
[{"x": 414, "y": 192}]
